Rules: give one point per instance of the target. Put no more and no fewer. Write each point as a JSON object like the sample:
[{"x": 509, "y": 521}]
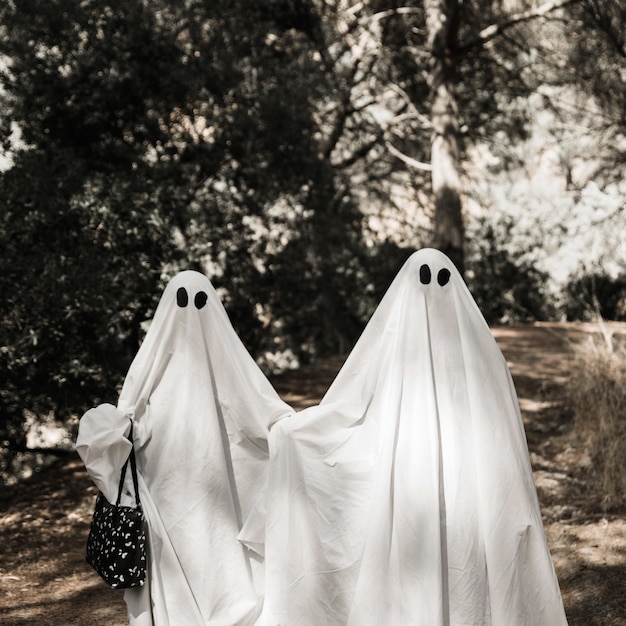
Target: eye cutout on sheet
[
  {"x": 201, "y": 299},
  {"x": 425, "y": 274},
  {"x": 182, "y": 298},
  {"x": 443, "y": 276}
]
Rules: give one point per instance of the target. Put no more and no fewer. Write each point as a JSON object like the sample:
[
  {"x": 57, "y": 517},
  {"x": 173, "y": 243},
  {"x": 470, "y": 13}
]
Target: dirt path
[
  {"x": 44, "y": 579},
  {"x": 588, "y": 548}
]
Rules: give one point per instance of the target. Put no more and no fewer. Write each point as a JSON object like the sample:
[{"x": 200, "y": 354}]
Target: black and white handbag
[{"x": 116, "y": 546}]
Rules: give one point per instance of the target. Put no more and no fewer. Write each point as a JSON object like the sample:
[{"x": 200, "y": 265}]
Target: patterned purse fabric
[{"x": 116, "y": 546}]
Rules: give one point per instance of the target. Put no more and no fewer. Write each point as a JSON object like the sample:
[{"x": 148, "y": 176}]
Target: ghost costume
[
  {"x": 407, "y": 497},
  {"x": 201, "y": 410}
]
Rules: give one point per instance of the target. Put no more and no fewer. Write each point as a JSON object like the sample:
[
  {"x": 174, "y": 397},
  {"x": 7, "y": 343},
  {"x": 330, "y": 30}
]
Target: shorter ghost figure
[
  {"x": 201, "y": 410},
  {"x": 407, "y": 496}
]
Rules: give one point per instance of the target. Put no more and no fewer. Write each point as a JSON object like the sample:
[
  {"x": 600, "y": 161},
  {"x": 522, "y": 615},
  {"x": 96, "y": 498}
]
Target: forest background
[{"x": 296, "y": 152}]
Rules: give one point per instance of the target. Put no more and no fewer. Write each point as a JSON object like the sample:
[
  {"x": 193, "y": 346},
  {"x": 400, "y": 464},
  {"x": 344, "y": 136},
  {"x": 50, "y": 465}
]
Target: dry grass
[{"x": 597, "y": 396}]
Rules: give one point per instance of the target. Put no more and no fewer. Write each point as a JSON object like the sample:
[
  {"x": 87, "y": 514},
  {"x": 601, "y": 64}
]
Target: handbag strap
[{"x": 133, "y": 469}]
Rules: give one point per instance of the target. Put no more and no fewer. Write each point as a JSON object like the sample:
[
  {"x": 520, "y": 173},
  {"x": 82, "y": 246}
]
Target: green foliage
[
  {"x": 505, "y": 285},
  {"x": 597, "y": 63},
  {"x": 79, "y": 277},
  {"x": 155, "y": 137},
  {"x": 594, "y": 295}
]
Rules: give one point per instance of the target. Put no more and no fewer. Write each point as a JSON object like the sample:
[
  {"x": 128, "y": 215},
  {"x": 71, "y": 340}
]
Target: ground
[{"x": 44, "y": 579}]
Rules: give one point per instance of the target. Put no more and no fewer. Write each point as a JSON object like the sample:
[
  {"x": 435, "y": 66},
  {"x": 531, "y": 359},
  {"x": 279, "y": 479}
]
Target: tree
[
  {"x": 157, "y": 136},
  {"x": 452, "y": 75},
  {"x": 442, "y": 26}
]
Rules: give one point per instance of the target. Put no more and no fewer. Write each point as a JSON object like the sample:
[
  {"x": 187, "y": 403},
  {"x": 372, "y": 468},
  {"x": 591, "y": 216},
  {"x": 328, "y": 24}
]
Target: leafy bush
[
  {"x": 507, "y": 287},
  {"x": 597, "y": 397},
  {"x": 595, "y": 294}
]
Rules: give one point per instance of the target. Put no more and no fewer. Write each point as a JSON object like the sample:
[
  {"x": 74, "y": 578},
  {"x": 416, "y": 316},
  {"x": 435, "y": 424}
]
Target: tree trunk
[{"x": 442, "y": 27}]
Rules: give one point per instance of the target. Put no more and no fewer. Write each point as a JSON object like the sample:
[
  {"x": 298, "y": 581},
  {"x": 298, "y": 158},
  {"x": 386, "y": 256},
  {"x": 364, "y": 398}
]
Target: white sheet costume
[
  {"x": 407, "y": 497},
  {"x": 202, "y": 410}
]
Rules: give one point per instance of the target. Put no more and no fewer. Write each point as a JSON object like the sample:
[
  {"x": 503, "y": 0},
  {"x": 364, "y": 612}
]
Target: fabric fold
[{"x": 103, "y": 446}]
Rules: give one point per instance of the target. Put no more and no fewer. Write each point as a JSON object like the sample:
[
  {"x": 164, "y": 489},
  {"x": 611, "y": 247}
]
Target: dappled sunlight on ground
[
  {"x": 590, "y": 561},
  {"x": 43, "y": 574}
]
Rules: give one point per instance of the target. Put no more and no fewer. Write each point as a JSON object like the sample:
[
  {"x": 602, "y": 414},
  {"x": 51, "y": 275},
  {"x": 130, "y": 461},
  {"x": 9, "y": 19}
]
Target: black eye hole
[
  {"x": 443, "y": 276},
  {"x": 182, "y": 299},
  {"x": 425, "y": 274},
  {"x": 200, "y": 299}
]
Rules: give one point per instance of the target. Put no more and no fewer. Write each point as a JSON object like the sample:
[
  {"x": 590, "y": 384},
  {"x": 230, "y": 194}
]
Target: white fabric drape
[
  {"x": 202, "y": 410},
  {"x": 407, "y": 497}
]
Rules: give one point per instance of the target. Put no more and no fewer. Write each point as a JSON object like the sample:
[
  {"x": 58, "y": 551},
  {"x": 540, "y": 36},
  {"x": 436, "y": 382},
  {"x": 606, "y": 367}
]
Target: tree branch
[
  {"x": 495, "y": 30},
  {"x": 407, "y": 160},
  {"x": 381, "y": 15},
  {"x": 16, "y": 447},
  {"x": 362, "y": 152}
]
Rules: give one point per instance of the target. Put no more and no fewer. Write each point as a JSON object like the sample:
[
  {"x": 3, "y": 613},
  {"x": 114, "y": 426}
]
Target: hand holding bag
[{"x": 116, "y": 546}]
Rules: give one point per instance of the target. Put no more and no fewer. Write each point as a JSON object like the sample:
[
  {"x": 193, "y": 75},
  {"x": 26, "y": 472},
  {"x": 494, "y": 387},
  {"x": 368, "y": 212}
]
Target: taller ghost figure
[
  {"x": 201, "y": 410},
  {"x": 406, "y": 497}
]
